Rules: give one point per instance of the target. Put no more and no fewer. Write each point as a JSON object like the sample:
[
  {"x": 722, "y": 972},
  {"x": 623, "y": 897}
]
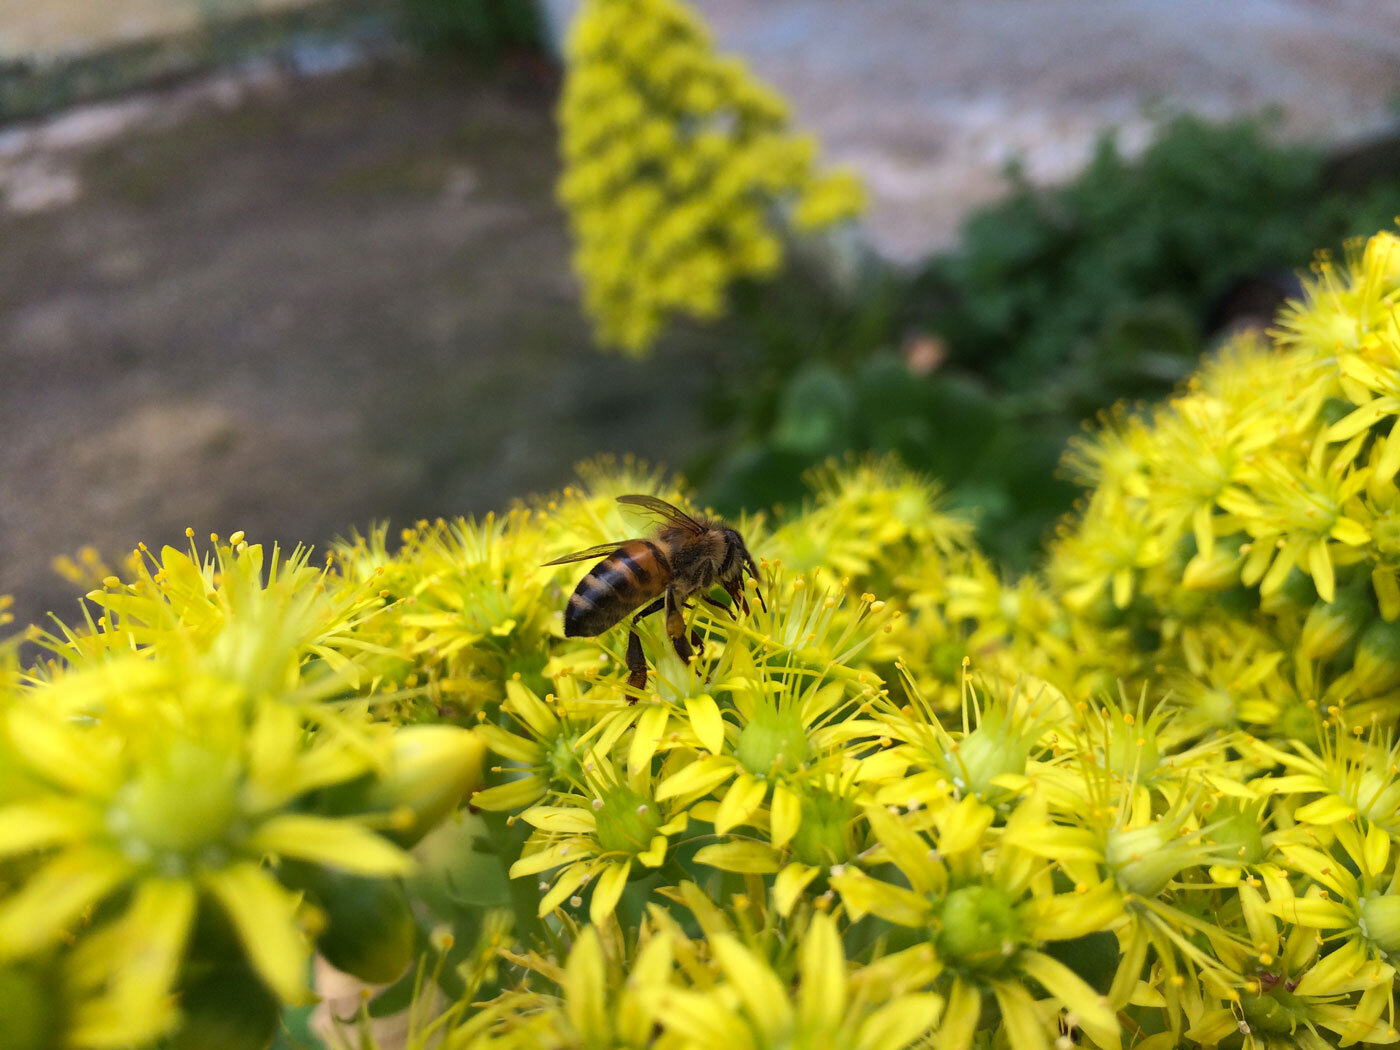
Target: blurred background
[{"x": 291, "y": 266}]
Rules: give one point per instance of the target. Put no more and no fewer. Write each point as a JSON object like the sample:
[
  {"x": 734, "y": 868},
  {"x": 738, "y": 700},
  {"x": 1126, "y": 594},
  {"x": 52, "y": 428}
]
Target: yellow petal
[
  {"x": 1336, "y": 972},
  {"x": 788, "y": 886},
  {"x": 264, "y": 914},
  {"x": 900, "y": 1023},
  {"x": 740, "y": 802},
  {"x": 1320, "y": 567},
  {"x": 655, "y": 855},
  {"x": 1096, "y": 1016},
  {"x": 764, "y": 998},
  {"x": 61, "y": 752},
  {"x": 744, "y": 857},
  {"x": 1312, "y": 912},
  {"x": 1202, "y": 525},
  {"x": 1122, "y": 588},
  {"x": 608, "y": 890},
  {"x": 1023, "y": 1026},
  {"x": 646, "y": 737},
  {"x": 542, "y": 860},
  {"x": 702, "y": 1019},
  {"x": 700, "y": 777},
  {"x": 331, "y": 843},
  {"x": 960, "y": 1018},
  {"x": 863, "y": 896},
  {"x": 706, "y": 721},
  {"x": 1387, "y": 588},
  {"x": 569, "y": 881},
  {"x": 531, "y": 709},
  {"x": 512, "y": 795},
  {"x": 564, "y": 820},
  {"x": 137, "y": 958},
  {"x": 53, "y": 897},
  {"x": 47, "y": 822},
  {"x": 822, "y": 1001},
  {"x": 586, "y": 999},
  {"x": 784, "y": 814}
]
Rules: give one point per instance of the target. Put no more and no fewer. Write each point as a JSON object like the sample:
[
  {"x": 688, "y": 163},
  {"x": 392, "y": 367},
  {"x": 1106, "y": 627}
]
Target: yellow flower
[
  {"x": 602, "y": 838},
  {"x": 174, "y": 790},
  {"x": 987, "y": 912},
  {"x": 754, "y": 1008}
]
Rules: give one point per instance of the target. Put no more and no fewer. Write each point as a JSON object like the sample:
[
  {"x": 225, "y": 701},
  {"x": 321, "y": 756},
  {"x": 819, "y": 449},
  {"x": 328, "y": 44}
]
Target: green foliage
[{"x": 1133, "y": 254}]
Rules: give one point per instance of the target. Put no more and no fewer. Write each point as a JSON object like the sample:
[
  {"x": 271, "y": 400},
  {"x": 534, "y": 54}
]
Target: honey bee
[{"x": 686, "y": 556}]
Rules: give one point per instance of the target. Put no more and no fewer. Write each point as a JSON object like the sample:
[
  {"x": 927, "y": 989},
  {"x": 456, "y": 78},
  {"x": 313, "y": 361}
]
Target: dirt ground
[{"x": 299, "y": 307}]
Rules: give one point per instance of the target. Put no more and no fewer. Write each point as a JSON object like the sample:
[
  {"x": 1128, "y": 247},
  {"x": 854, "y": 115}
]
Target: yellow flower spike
[{"x": 674, "y": 161}]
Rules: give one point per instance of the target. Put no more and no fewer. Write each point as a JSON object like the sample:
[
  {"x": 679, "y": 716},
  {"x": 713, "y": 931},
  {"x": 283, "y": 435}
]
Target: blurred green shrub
[
  {"x": 1111, "y": 280},
  {"x": 480, "y": 29}
]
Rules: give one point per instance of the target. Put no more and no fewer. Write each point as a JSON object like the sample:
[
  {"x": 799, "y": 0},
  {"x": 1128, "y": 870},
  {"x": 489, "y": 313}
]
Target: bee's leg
[
  {"x": 636, "y": 664},
  {"x": 636, "y": 659},
  {"x": 720, "y": 605},
  {"x": 675, "y": 626}
]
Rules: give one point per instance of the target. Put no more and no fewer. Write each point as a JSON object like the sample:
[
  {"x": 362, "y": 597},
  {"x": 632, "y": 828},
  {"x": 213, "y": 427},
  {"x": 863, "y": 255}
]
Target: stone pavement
[{"x": 929, "y": 99}]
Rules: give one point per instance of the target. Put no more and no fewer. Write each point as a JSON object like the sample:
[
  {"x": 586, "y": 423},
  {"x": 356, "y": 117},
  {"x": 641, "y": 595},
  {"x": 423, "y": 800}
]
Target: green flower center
[
  {"x": 985, "y": 754},
  {"x": 1241, "y": 838},
  {"x": 179, "y": 806},
  {"x": 823, "y": 836},
  {"x": 979, "y": 929},
  {"x": 1380, "y": 922},
  {"x": 561, "y": 761},
  {"x": 1132, "y": 751},
  {"x": 1277, "y": 1012},
  {"x": 774, "y": 742},
  {"x": 627, "y": 822}
]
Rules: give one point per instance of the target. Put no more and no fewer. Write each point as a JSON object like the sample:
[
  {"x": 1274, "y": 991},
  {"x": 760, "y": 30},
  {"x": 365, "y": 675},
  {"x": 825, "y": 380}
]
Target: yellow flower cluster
[
  {"x": 1241, "y": 538},
  {"x": 1148, "y": 799},
  {"x": 679, "y": 171},
  {"x": 193, "y": 790}
]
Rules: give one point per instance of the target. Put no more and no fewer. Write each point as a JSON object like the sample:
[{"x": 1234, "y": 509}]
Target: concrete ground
[{"x": 292, "y": 307}]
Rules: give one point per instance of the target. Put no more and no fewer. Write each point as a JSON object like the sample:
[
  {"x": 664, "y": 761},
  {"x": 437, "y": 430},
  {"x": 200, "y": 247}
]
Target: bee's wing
[
  {"x": 664, "y": 510},
  {"x": 600, "y": 551}
]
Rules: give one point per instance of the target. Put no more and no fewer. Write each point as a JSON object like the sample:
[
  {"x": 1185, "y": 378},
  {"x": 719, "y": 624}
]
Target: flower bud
[
  {"x": 1377, "y": 665},
  {"x": 773, "y": 742},
  {"x": 1330, "y": 626},
  {"x": 370, "y": 930},
  {"x": 825, "y": 837},
  {"x": 979, "y": 928},
  {"x": 1143, "y": 860},
  {"x": 627, "y": 821},
  {"x": 1380, "y": 922},
  {"x": 1218, "y": 572},
  {"x": 431, "y": 769}
]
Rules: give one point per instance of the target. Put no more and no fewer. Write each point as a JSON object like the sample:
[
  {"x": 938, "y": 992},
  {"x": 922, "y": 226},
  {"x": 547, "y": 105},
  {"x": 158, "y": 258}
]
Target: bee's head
[{"x": 746, "y": 564}]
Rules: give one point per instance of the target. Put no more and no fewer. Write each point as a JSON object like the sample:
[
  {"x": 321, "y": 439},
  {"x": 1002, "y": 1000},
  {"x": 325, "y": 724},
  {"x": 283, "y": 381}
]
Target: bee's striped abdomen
[{"x": 633, "y": 574}]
